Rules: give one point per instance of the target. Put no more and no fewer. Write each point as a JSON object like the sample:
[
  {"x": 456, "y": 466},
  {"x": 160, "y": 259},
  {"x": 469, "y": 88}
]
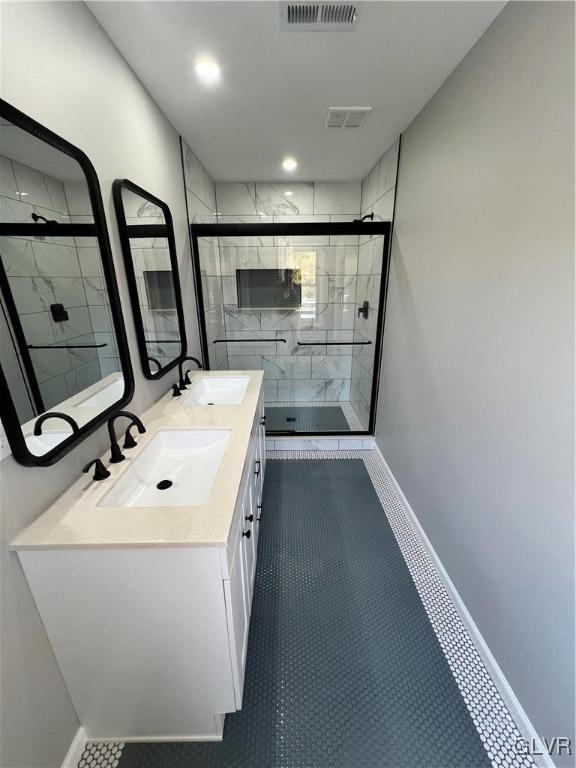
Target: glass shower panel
[{"x": 289, "y": 305}]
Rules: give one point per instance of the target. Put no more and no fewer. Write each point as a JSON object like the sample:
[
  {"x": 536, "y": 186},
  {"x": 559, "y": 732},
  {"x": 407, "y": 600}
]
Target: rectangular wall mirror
[
  {"x": 149, "y": 248},
  {"x": 63, "y": 344}
]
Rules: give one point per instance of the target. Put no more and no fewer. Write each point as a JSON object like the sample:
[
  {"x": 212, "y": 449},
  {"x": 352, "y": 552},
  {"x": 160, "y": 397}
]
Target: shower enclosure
[{"x": 304, "y": 302}]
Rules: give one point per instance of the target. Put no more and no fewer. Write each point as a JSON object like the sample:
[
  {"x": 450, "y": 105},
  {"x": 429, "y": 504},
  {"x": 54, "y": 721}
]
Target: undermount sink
[
  {"x": 38, "y": 445},
  {"x": 217, "y": 390},
  {"x": 176, "y": 469}
]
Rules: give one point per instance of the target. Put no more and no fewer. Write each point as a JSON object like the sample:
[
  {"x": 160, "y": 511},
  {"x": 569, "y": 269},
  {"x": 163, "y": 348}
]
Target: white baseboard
[
  {"x": 146, "y": 739},
  {"x": 504, "y": 688},
  {"x": 76, "y": 749},
  {"x": 78, "y": 745}
]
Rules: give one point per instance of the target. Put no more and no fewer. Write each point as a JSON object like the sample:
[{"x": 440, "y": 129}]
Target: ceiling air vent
[
  {"x": 318, "y": 16},
  {"x": 346, "y": 117}
]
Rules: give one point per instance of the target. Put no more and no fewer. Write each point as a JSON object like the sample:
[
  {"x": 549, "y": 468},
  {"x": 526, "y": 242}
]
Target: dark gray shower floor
[
  {"x": 343, "y": 669},
  {"x": 300, "y": 418}
]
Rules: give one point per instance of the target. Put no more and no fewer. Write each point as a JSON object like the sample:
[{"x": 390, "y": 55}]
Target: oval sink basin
[
  {"x": 176, "y": 469},
  {"x": 217, "y": 390}
]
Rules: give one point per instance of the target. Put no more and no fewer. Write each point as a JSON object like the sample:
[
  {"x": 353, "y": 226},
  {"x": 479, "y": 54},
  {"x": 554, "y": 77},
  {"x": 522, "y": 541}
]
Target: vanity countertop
[{"x": 76, "y": 521}]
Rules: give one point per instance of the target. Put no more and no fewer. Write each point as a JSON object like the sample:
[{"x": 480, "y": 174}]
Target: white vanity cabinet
[
  {"x": 240, "y": 567},
  {"x": 152, "y": 640}
]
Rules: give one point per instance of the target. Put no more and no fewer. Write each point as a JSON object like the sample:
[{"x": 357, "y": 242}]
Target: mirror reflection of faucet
[{"x": 54, "y": 415}]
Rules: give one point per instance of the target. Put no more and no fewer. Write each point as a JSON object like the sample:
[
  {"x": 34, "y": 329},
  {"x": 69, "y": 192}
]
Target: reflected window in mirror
[
  {"x": 148, "y": 246},
  {"x": 63, "y": 344}
]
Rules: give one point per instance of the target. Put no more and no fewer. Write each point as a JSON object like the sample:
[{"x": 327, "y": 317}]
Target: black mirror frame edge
[
  {"x": 117, "y": 186},
  {"x": 8, "y": 412}
]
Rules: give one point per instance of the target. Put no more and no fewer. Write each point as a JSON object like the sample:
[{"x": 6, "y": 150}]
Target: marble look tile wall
[
  {"x": 292, "y": 372},
  {"x": 149, "y": 255},
  {"x": 378, "y": 193},
  {"x": 49, "y": 270},
  {"x": 339, "y": 273}
]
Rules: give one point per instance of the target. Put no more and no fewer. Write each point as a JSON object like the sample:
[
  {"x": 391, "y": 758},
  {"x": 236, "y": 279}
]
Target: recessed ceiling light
[
  {"x": 289, "y": 164},
  {"x": 23, "y": 194},
  {"x": 208, "y": 71},
  {"x": 288, "y": 193}
]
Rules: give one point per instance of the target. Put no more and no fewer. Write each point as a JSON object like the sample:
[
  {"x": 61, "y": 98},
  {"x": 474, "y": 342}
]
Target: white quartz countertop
[{"x": 76, "y": 521}]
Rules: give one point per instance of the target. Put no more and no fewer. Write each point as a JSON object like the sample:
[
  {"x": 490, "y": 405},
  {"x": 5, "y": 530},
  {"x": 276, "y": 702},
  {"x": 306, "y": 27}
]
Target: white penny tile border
[{"x": 104, "y": 754}]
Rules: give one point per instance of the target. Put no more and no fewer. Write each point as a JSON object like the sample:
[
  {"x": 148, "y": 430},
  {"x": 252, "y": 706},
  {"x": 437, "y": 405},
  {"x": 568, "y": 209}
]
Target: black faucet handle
[
  {"x": 175, "y": 391},
  {"x": 100, "y": 471},
  {"x": 129, "y": 441}
]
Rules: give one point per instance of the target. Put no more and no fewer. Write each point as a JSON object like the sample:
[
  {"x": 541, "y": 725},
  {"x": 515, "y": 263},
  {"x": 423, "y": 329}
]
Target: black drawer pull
[
  {"x": 246, "y": 533},
  {"x": 257, "y": 472},
  {"x": 260, "y": 513},
  {"x": 250, "y": 518}
]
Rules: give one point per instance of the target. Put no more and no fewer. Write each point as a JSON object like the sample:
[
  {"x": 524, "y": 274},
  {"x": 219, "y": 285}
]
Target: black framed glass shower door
[{"x": 304, "y": 303}]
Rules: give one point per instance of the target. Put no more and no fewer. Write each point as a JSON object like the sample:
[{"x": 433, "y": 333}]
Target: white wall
[
  {"x": 477, "y": 391},
  {"x": 59, "y": 67}
]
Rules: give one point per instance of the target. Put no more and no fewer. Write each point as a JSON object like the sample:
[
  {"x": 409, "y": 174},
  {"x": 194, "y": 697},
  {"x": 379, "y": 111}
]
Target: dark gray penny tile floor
[{"x": 344, "y": 669}]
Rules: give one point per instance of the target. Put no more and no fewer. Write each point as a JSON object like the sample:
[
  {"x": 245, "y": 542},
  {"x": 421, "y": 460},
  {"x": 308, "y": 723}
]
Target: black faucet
[
  {"x": 184, "y": 378},
  {"x": 129, "y": 441},
  {"x": 116, "y": 455},
  {"x": 54, "y": 415},
  {"x": 100, "y": 471}
]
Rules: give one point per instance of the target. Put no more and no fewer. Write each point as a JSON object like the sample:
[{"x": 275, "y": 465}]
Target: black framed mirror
[
  {"x": 65, "y": 365},
  {"x": 149, "y": 249}
]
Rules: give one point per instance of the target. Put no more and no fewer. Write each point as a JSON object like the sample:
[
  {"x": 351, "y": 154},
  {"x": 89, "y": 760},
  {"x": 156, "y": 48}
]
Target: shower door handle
[{"x": 363, "y": 310}]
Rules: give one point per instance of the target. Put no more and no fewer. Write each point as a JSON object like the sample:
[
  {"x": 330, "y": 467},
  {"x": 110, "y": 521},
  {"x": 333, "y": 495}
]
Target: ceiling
[{"x": 277, "y": 85}]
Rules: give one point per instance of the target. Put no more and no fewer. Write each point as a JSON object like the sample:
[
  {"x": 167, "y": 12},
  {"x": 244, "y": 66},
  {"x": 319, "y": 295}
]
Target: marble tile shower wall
[
  {"x": 328, "y": 267},
  {"x": 339, "y": 273},
  {"x": 378, "y": 193},
  {"x": 48, "y": 270}
]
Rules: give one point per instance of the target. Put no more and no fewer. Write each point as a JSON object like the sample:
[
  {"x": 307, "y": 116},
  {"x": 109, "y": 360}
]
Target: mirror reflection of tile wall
[
  {"x": 153, "y": 271},
  {"x": 43, "y": 271},
  {"x": 338, "y": 274}
]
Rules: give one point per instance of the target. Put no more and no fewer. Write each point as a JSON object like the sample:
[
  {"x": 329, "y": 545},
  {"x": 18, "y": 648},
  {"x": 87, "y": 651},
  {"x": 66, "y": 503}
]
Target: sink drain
[{"x": 164, "y": 484}]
